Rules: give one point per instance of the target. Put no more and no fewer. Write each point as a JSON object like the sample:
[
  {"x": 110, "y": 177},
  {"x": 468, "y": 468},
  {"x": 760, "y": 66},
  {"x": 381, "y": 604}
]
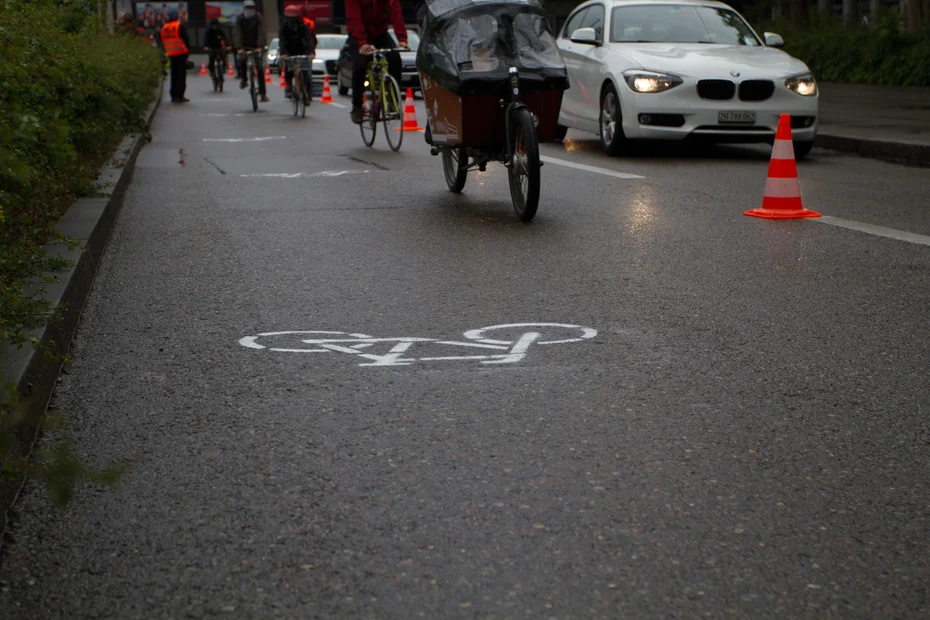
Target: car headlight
[
  {"x": 804, "y": 85},
  {"x": 272, "y": 55},
  {"x": 649, "y": 82}
]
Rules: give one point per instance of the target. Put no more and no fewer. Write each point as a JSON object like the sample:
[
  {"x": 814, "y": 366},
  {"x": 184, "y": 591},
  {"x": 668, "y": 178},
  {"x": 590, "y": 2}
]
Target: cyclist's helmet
[
  {"x": 292, "y": 10},
  {"x": 214, "y": 22}
]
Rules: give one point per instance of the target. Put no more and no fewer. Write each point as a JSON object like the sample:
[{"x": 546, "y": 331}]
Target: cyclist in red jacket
[{"x": 368, "y": 23}]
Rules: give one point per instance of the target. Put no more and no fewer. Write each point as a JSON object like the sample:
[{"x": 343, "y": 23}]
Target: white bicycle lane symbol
[{"x": 479, "y": 345}]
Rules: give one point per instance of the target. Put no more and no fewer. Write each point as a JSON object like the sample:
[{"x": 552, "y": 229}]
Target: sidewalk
[{"x": 885, "y": 122}]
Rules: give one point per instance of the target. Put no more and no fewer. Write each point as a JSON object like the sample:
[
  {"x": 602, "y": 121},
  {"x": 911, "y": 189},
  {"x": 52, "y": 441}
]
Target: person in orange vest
[{"x": 176, "y": 44}]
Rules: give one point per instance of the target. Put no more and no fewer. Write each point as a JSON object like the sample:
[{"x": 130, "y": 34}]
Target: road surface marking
[
  {"x": 295, "y": 175},
  {"x": 245, "y": 139},
  {"x": 511, "y": 351},
  {"x": 879, "y": 231},
  {"x": 214, "y": 114},
  {"x": 336, "y": 105},
  {"x": 587, "y": 168}
]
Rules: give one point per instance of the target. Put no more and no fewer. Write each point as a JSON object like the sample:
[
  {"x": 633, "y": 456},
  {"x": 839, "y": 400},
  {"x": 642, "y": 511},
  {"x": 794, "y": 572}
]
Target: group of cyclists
[{"x": 367, "y": 23}]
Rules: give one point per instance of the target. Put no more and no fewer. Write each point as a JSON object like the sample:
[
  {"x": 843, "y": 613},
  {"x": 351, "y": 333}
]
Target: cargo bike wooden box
[{"x": 492, "y": 79}]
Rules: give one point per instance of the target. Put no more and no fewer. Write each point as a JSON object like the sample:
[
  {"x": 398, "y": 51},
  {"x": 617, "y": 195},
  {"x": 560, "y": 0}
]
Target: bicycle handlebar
[{"x": 387, "y": 51}]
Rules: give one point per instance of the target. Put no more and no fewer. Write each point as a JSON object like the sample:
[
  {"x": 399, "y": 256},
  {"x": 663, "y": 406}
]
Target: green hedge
[
  {"x": 68, "y": 92},
  {"x": 881, "y": 54}
]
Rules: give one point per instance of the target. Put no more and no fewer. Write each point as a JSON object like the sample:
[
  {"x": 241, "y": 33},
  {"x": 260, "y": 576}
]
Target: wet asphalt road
[{"x": 746, "y": 435}]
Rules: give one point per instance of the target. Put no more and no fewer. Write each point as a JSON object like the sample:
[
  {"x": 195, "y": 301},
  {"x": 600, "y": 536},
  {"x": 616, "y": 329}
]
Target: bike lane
[{"x": 679, "y": 457}]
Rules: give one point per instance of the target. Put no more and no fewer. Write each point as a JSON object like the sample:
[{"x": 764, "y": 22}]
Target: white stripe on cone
[
  {"x": 782, "y": 188},
  {"x": 783, "y": 149}
]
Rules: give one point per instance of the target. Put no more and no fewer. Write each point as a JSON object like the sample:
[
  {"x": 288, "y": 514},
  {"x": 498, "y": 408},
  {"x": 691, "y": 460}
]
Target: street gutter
[
  {"x": 89, "y": 221},
  {"x": 908, "y": 153}
]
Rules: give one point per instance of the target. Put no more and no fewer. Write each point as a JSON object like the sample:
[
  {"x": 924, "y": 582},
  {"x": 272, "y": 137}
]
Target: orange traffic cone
[
  {"x": 410, "y": 114},
  {"x": 203, "y": 68},
  {"x": 282, "y": 83},
  {"x": 267, "y": 74},
  {"x": 327, "y": 94},
  {"x": 231, "y": 72},
  {"x": 782, "y": 199}
]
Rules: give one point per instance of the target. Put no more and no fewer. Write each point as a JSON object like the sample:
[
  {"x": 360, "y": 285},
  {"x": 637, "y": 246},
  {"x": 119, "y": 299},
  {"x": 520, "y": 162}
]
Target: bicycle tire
[
  {"x": 253, "y": 91},
  {"x": 295, "y": 93},
  {"x": 455, "y": 168},
  {"x": 369, "y": 121},
  {"x": 523, "y": 170},
  {"x": 392, "y": 112},
  {"x": 305, "y": 96}
]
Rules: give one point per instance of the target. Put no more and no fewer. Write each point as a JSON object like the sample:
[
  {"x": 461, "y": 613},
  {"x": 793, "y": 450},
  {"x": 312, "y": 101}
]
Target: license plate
[{"x": 741, "y": 118}]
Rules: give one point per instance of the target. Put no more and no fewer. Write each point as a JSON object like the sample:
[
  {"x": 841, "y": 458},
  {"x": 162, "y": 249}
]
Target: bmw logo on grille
[{"x": 734, "y": 73}]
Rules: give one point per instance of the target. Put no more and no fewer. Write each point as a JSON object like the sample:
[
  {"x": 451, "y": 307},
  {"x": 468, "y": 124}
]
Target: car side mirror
[
  {"x": 586, "y": 36},
  {"x": 774, "y": 40}
]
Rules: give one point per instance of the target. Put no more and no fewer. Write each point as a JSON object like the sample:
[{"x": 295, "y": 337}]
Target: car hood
[
  {"x": 327, "y": 54},
  {"x": 699, "y": 60}
]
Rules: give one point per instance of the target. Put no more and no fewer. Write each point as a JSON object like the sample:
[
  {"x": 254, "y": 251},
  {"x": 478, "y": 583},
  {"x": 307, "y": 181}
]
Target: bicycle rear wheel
[
  {"x": 524, "y": 164},
  {"x": 393, "y": 112},
  {"x": 369, "y": 126},
  {"x": 295, "y": 93},
  {"x": 253, "y": 89},
  {"x": 455, "y": 167}
]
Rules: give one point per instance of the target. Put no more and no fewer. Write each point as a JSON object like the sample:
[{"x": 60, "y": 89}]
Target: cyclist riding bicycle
[
  {"x": 294, "y": 39},
  {"x": 250, "y": 36},
  {"x": 367, "y": 22},
  {"x": 215, "y": 40}
]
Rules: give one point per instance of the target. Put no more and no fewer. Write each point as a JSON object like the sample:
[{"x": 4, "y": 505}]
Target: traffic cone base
[
  {"x": 782, "y": 198},
  {"x": 267, "y": 74},
  {"x": 327, "y": 93},
  {"x": 410, "y": 114}
]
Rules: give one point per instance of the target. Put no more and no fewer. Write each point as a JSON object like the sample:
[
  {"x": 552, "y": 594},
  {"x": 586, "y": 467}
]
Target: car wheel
[
  {"x": 560, "y": 132},
  {"x": 802, "y": 149},
  {"x": 611, "y": 122}
]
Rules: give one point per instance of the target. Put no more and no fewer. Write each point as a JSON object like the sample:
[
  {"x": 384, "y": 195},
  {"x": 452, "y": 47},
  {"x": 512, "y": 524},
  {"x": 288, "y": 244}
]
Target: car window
[
  {"x": 594, "y": 18},
  {"x": 679, "y": 23},
  {"x": 573, "y": 23}
]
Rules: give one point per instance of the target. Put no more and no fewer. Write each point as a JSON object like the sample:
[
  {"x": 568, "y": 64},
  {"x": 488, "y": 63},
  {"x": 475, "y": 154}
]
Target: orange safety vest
[{"x": 171, "y": 39}]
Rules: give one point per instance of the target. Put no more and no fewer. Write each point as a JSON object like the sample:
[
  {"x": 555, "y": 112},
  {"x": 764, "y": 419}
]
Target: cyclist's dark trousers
[
  {"x": 178, "y": 75},
  {"x": 360, "y": 65},
  {"x": 214, "y": 58},
  {"x": 244, "y": 72}
]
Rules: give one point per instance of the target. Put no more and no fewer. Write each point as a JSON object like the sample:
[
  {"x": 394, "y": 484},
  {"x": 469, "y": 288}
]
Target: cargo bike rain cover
[{"x": 468, "y": 46}]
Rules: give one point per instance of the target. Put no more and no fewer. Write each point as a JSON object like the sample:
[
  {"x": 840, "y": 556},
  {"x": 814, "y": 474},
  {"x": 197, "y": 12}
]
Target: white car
[
  {"x": 669, "y": 70},
  {"x": 328, "y": 47}
]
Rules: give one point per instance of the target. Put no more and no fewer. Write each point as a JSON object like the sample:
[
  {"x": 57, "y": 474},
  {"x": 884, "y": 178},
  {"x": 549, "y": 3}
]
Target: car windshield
[
  {"x": 413, "y": 39},
  {"x": 273, "y": 45},
  {"x": 332, "y": 42},
  {"x": 680, "y": 23}
]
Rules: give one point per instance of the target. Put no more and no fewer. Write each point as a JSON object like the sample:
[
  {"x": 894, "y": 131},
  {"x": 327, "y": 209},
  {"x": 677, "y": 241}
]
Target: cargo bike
[{"x": 492, "y": 80}]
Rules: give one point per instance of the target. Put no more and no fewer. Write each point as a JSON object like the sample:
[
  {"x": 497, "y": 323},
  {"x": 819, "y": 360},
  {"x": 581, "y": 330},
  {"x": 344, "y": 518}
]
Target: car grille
[
  {"x": 756, "y": 90},
  {"x": 717, "y": 90},
  {"x": 331, "y": 67}
]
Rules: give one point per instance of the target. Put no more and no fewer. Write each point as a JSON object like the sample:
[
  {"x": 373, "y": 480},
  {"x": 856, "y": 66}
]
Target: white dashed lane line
[
  {"x": 871, "y": 229},
  {"x": 587, "y": 168}
]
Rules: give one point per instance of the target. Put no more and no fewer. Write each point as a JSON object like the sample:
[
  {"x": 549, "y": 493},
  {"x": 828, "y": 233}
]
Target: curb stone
[
  {"x": 897, "y": 152},
  {"x": 89, "y": 221}
]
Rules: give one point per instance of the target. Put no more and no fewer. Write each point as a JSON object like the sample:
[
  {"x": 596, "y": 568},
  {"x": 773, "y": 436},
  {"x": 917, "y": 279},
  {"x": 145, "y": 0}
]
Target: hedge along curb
[
  {"x": 88, "y": 221},
  {"x": 897, "y": 152}
]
